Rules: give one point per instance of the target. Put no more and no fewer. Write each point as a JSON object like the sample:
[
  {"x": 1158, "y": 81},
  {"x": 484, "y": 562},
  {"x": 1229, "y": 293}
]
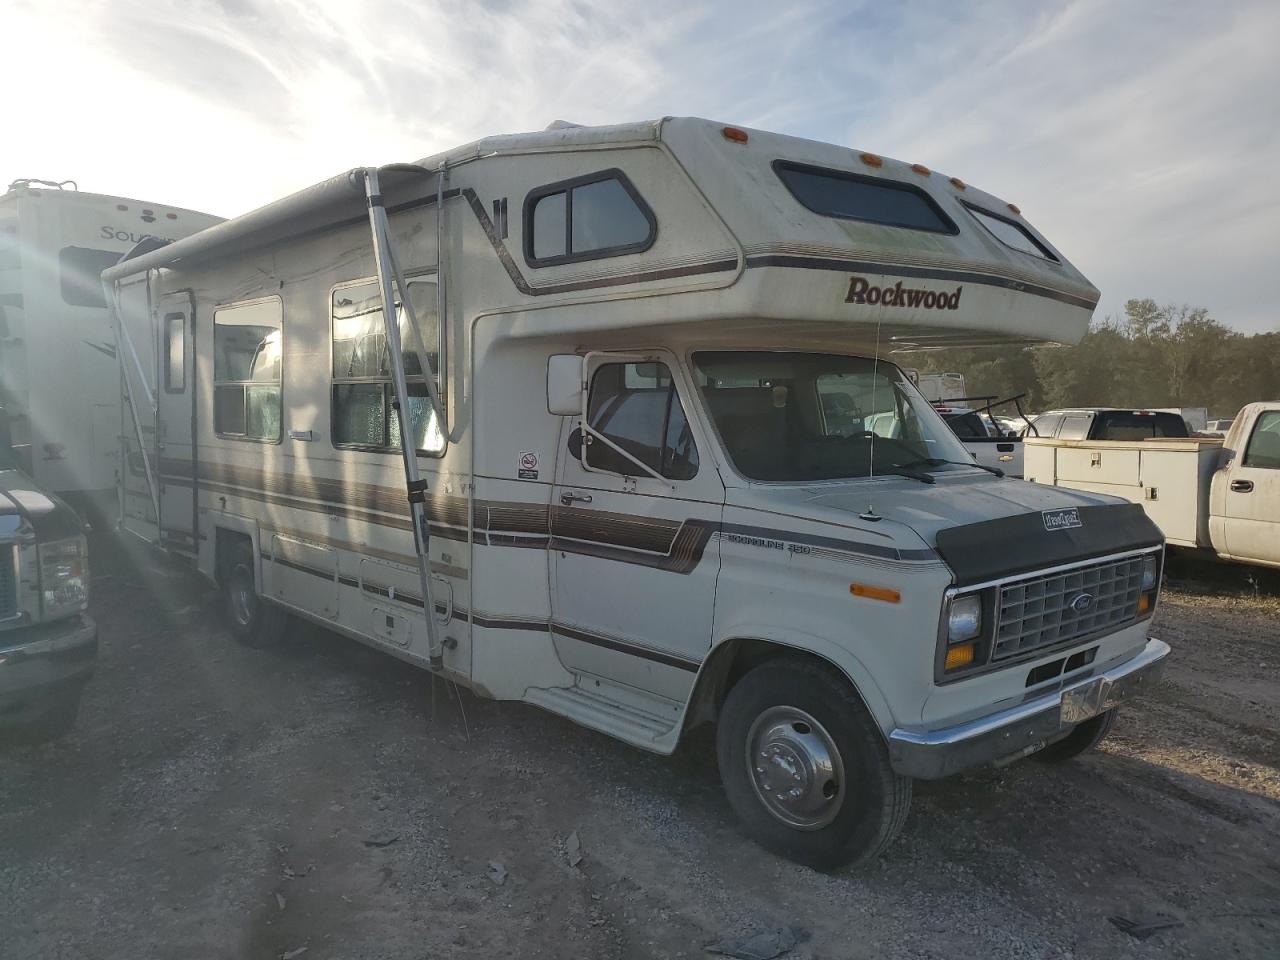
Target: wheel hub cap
[{"x": 795, "y": 768}]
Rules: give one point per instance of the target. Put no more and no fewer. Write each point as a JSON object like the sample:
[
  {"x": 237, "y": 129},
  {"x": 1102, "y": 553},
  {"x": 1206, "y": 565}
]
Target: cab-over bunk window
[
  {"x": 854, "y": 196},
  {"x": 247, "y": 359},
  {"x": 587, "y": 218},
  {"x": 364, "y": 415},
  {"x": 1011, "y": 233}
]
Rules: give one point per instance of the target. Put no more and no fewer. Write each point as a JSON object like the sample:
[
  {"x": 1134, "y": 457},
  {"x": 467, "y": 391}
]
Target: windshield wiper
[
  {"x": 905, "y": 471},
  {"x": 938, "y": 462}
]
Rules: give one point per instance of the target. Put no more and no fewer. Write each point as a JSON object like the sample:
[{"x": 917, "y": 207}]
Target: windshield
[{"x": 798, "y": 417}]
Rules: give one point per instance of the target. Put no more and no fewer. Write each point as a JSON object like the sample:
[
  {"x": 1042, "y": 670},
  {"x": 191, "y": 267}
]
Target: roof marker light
[
  {"x": 1014, "y": 208},
  {"x": 957, "y": 183},
  {"x": 172, "y": 216},
  {"x": 871, "y": 160},
  {"x": 921, "y": 169},
  {"x": 734, "y": 134},
  {"x": 122, "y": 206}
]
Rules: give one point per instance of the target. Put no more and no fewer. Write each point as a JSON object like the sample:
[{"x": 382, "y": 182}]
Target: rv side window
[
  {"x": 1011, "y": 233},
  {"x": 599, "y": 215},
  {"x": 363, "y": 402},
  {"x": 637, "y": 407},
  {"x": 1264, "y": 446},
  {"x": 80, "y": 270},
  {"x": 247, "y": 356},
  {"x": 175, "y": 357},
  {"x": 854, "y": 196}
]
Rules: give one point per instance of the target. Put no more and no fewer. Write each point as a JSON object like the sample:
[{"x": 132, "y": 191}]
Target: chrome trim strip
[
  {"x": 1026, "y": 727},
  {"x": 1049, "y": 571}
]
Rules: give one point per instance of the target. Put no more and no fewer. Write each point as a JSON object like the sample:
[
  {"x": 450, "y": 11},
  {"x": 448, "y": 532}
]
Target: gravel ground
[{"x": 216, "y": 801}]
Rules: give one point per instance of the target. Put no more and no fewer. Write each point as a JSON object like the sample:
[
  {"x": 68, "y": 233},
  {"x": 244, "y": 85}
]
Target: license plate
[{"x": 1085, "y": 701}]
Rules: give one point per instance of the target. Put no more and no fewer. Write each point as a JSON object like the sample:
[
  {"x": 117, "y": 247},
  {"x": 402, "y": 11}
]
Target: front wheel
[
  {"x": 805, "y": 767},
  {"x": 254, "y": 622}
]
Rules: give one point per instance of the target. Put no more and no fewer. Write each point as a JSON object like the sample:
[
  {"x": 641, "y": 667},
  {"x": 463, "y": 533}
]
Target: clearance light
[
  {"x": 1014, "y": 208},
  {"x": 734, "y": 134},
  {"x": 871, "y": 160},
  {"x": 875, "y": 593},
  {"x": 957, "y": 183},
  {"x": 960, "y": 656},
  {"x": 921, "y": 169}
]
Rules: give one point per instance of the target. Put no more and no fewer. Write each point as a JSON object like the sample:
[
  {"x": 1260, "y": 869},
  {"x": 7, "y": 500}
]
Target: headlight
[
  {"x": 1150, "y": 571},
  {"x": 964, "y": 619},
  {"x": 64, "y": 577}
]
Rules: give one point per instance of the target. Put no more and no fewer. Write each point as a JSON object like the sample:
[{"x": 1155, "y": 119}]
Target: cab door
[
  {"x": 1251, "y": 500},
  {"x": 634, "y": 516},
  {"x": 175, "y": 408}
]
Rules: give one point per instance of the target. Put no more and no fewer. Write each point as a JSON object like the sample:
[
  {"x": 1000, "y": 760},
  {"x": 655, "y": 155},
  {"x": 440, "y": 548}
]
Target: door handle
[
  {"x": 1242, "y": 486},
  {"x": 1004, "y": 448},
  {"x": 570, "y": 497}
]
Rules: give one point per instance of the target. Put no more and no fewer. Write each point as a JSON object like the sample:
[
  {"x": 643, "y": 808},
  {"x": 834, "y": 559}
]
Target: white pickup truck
[{"x": 1206, "y": 493}]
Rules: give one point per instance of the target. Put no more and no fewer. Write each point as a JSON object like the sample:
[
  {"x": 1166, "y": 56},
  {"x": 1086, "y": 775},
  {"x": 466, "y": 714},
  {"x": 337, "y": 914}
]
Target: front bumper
[
  {"x": 45, "y": 656},
  {"x": 1019, "y": 730}
]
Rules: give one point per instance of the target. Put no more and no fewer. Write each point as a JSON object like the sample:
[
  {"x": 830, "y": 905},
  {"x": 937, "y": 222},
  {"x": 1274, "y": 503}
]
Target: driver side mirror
[{"x": 564, "y": 384}]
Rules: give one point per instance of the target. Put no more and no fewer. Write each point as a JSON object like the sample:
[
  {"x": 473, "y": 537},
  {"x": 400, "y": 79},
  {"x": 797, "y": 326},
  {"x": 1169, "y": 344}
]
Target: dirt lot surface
[{"x": 218, "y": 801}]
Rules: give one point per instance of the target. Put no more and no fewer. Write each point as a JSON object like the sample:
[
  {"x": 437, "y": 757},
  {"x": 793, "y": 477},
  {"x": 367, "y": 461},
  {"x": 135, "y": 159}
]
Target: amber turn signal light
[
  {"x": 875, "y": 593},
  {"x": 960, "y": 655}
]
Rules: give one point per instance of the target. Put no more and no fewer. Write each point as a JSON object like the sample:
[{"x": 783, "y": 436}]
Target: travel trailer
[
  {"x": 658, "y": 471},
  {"x": 59, "y": 379}
]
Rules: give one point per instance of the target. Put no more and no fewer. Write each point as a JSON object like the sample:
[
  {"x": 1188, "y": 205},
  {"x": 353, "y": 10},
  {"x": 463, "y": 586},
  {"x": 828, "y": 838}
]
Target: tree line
[{"x": 1153, "y": 356}]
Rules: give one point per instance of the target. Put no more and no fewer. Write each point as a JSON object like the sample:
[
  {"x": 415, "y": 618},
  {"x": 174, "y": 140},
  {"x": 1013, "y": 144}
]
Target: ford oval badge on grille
[
  {"x": 1081, "y": 602},
  {"x": 1065, "y": 519}
]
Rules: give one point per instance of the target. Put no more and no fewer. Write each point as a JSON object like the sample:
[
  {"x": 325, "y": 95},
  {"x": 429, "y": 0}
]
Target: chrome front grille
[
  {"x": 8, "y": 585},
  {"x": 1045, "y": 611}
]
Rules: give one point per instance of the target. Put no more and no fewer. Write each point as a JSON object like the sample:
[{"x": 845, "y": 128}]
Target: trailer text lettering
[{"x": 863, "y": 291}]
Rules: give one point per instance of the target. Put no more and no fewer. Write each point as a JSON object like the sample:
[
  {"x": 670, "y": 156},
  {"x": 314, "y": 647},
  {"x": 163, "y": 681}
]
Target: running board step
[{"x": 639, "y": 721}]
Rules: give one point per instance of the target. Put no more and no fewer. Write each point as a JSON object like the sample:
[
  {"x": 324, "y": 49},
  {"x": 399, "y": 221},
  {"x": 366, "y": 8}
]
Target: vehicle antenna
[{"x": 875, "y": 375}]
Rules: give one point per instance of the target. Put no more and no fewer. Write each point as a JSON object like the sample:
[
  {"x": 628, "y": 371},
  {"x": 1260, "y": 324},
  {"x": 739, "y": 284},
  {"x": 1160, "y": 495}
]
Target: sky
[{"x": 1143, "y": 138}]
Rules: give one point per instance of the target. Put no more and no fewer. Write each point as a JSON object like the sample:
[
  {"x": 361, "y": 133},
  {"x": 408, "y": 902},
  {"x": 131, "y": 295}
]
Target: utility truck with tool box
[
  {"x": 599, "y": 419},
  {"x": 1220, "y": 495}
]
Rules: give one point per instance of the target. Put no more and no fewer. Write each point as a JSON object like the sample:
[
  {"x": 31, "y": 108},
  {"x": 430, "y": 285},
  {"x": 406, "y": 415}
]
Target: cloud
[{"x": 1139, "y": 137}]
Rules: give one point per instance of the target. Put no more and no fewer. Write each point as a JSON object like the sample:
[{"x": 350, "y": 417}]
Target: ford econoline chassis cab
[{"x": 659, "y": 472}]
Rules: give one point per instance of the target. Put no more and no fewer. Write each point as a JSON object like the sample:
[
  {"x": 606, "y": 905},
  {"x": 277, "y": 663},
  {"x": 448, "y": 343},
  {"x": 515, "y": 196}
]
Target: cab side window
[
  {"x": 1264, "y": 446},
  {"x": 1075, "y": 428},
  {"x": 636, "y": 406}
]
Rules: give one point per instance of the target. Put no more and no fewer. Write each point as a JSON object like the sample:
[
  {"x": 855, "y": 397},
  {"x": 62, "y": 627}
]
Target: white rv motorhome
[
  {"x": 59, "y": 379},
  {"x": 660, "y": 472}
]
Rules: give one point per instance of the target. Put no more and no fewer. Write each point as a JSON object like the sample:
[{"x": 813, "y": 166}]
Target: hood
[
  {"x": 982, "y": 526},
  {"x": 27, "y": 512}
]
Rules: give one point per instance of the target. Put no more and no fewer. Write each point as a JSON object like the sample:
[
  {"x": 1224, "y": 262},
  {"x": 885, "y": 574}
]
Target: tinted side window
[
  {"x": 1075, "y": 428},
  {"x": 967, "y": 426},
  {"x": 852, "y": 196},
  {"x": 1264, "y": 446},
  {"x": 599, "y": 215},
  {"x": 363, "y": 412},
  {"x": 247, "y": 360},
  {"x": 1011, "y": 233},
  {"x": 80, "y": 270},
  {"x": 635, "y": 405},
  {"x": 1124, "y": 425}
]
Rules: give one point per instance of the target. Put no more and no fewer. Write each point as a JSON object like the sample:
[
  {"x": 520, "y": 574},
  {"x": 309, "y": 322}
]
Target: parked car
[
  {"x": 1109, "y": 423},
  {"x": 981, "y": 435},
  {"x": 1217, "y": 495},
  {"x": 48, "y": 644}
]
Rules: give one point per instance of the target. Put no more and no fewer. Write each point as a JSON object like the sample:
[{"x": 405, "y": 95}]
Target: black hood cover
[{"x": 979, "y": 552}]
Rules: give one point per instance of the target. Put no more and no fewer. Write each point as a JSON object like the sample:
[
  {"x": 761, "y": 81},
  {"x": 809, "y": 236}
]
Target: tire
[
  {"x": 1084, "y": 737},
  {"x": 800, "y": 721},
  {"x": 253, "y": 621},
  {"x": 53, "y": 723}
]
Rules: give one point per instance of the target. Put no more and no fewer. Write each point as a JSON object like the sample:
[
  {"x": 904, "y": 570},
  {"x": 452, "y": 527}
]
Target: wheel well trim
[{"x": 716, "y": 665}]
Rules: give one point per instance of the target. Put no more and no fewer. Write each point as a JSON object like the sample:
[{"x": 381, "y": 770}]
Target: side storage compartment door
[
  {"x": 175, "y": 420},
  {"x": 635, "y": 556}
]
